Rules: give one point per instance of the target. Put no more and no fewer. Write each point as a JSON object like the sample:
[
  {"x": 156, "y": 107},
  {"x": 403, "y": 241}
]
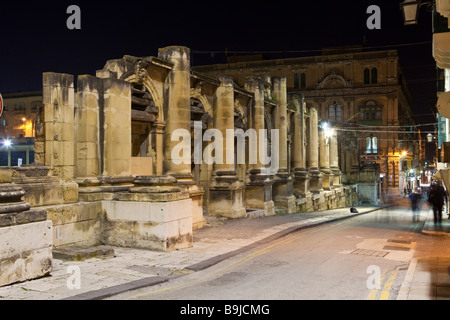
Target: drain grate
[{"x": 366, "y": 252}]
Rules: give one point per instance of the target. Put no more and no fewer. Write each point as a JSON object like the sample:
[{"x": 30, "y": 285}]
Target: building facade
[{"x": 362, "y": 95}]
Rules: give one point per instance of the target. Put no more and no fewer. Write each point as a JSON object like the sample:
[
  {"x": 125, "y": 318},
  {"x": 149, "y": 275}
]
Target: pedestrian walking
[
  {"x": 436, "y": 200},
  {"x": 415, "y": 197}
]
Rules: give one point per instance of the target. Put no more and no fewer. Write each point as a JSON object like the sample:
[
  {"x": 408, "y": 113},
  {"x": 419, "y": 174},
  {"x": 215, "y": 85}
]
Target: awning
[{"x": 443, "y": 175}]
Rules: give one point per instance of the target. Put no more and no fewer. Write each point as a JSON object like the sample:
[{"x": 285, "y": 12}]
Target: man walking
[{"x": 436, "y": 200}]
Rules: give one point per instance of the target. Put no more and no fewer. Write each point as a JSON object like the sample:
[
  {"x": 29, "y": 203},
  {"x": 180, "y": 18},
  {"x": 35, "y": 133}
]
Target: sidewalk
[
  {"x": 428, "y": 275},
  {"x": 134, "y": 268}
]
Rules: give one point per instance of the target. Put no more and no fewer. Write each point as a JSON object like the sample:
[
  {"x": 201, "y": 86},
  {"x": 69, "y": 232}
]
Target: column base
[
  {"x": 258, "y": 193},
  {"x": 282, "y": 191},
  {"x": 226, "y": 197},
  {"x": 337, "y": 175},
  {"x": 315, "y": 181},
  {"x": 327, "y": 179}
]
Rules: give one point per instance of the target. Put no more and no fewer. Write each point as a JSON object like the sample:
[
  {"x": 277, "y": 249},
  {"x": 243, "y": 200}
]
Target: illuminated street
[{"x": 327, "y": 262}]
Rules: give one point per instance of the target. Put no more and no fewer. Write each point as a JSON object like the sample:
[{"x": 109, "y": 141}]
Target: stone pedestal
[
  {"x": 283, "y": 193},
  {"x": 258, "y": 192},
  {"x": 154, "y": 214},
  {"x": 302, "y": 190},
  {"x": 196, "y": 194},
  {"x": 43, "y": 189},
  {"x": 227, "y": 196},
  {"x": 25, "y": 237}
]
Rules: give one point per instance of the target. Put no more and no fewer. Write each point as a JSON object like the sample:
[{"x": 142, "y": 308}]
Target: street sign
[{"x": 1, "y": 105}]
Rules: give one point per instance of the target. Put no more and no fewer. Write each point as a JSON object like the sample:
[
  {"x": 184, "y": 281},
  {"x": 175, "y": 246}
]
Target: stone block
[
  {"x": 26, "y": 251},
  {"x": 161, "y": 226}
]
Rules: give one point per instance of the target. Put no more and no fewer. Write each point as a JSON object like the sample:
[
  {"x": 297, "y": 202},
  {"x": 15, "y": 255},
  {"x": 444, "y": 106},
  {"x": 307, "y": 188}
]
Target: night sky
[{"x": 35, "y": 39}]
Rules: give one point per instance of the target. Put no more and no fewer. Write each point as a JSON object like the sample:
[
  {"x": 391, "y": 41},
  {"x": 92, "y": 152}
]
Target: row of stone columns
[{"x": 103, "y": 135}]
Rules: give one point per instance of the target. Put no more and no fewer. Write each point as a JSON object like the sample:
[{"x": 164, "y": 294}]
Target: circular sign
[
  {"x": 1, "y": 105},
  {"x": 443, "y": 104}
]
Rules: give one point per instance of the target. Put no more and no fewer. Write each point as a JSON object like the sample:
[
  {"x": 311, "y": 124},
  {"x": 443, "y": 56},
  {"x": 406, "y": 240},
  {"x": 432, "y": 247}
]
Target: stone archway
[{"x": 147, "y": 124}]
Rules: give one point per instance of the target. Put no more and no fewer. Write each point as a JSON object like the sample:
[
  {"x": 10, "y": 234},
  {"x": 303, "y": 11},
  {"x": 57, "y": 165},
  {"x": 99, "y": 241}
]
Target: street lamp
[
  {"x": 429, "y": 137},
  {"x": 327, "y": 131},
  {"x": 7, "y": 143},
  {"x": 410, "y": 9}
]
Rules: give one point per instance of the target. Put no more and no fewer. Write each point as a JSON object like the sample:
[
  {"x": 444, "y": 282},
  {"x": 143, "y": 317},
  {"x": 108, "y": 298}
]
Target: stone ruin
[{"x": 104, "y": 172}]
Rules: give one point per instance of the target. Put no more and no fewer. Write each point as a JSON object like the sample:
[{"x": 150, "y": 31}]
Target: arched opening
[{"x": 144, "y": 114}]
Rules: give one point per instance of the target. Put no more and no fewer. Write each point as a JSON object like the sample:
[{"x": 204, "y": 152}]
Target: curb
[{"x": 406, "y": 285}]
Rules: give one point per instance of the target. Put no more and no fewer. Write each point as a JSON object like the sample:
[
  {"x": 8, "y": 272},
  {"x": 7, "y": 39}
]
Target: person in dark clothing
[
  {"x": 415, "y": 199},
  {"x": 436, "y": 199}
]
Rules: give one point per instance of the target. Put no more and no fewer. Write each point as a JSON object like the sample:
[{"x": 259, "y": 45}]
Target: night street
[
  {"x": 334, "y": 261},
  {"x": 203, "y": 152}
]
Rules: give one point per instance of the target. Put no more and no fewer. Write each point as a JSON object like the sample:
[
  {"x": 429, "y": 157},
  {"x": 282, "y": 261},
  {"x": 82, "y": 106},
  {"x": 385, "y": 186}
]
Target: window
[
  {"x": 303, "y": 80},
  {"x": 299, "y": 80},
  {"x": 370, "y": 76},
  {"x": 366, "y": 76},
  {"x": 371, "y": 145},
  {"x": 335, "y": 113},
  {"x": 374, "y": 77},
  {"x": 371, "y": 113},
  {"x": 296, "y": 81}
]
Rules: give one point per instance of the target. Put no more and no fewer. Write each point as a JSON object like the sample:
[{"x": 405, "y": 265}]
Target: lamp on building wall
[{"x": 410, "y": 9}]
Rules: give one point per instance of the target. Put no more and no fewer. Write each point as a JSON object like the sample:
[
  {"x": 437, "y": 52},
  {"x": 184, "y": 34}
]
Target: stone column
[
  {"x": 226, "y": 191},
  {"x": 283, "y": 182},
  {"x": 334, "y": 160},
  {"x": 177, "y": 115},
  {"x": 301, "y": 177},
  {"x": 324, "y": 160},
  {"x": 158, "y": 136},
  {"x": 258, "y": 193},
  {"x": 87, "y": 129},
  {"x": 58, "y": 124},
  {"x": 115, "y": 136},
  {"x": 177, "y": 108},
  {"x": 313, "y": 152}
]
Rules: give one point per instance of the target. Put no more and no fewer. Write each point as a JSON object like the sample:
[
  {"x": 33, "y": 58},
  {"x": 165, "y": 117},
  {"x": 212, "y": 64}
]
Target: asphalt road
[{"x": 362, "y": 258}]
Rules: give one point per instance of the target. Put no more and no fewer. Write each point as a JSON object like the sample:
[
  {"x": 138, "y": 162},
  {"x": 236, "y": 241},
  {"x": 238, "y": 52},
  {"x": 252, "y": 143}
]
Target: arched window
[
  {"x": 335, "y": 113},
  {"x": 338, "y": 113},
  {"x": 303, "y": 80},
  {"x": 368, "y": 145},
  {"x": 366, "y": 76},
  {"x": 331, "y": 113},
  {"x": 374, "y": 75},
  {"x": 371, "y": 145},
  {"x": 296, "y": 81}
]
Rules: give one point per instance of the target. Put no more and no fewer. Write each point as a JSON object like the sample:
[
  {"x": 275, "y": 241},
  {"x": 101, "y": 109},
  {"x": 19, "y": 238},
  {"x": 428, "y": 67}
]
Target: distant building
[
  {"x": 361, "y": 94},
  {"x": 17, "y": 127}
]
